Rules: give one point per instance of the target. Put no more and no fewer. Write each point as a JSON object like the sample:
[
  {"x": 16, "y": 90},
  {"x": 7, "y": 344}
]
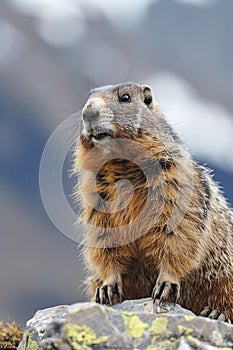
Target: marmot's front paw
[
  {"x": 165, "y": 291},
  {"x": 106, "y": 293},
  {"x": 214, "y": 314}
]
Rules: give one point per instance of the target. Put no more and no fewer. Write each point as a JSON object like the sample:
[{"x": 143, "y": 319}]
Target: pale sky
[{"x": 114, "y": 9}]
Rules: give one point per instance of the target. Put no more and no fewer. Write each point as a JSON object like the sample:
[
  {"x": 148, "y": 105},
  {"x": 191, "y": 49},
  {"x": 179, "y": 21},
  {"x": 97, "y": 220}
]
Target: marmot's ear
[{"x": 147, "y": 94}]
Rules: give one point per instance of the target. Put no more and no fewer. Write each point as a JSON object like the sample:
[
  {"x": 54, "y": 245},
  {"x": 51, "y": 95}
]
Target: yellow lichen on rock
[
  {"x": 134, "y": 326},
  {"x": 32, "y": 345},
  {"x": 163, "y": 345},
  {"x": 29, "y": 343},
  {"x": 151, "y": 347},
  {"x": 184, "y": 331},
  {"x": 159, "y": 327},
  {"x": 189, "y": 318},
  {"x": 80, "y": 337}
]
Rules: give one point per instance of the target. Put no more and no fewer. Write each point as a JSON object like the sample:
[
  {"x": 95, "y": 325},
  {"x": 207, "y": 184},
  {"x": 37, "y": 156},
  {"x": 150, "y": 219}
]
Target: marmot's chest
[
  {"x": 120, "y": 183},
  {"x": 138, "y": 268}
]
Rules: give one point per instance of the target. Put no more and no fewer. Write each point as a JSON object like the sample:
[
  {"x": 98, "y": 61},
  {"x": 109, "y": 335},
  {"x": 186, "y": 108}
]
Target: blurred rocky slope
[{"x": 47, "y": 66}]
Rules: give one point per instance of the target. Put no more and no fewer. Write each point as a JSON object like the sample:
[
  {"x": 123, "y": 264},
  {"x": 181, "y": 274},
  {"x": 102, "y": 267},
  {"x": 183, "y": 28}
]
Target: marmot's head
[{"x": 123, "y": 110}]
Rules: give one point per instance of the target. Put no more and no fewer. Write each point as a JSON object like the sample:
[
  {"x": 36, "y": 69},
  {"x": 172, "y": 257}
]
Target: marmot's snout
[
  {"x": 91, "y": 110},
  {"x": 97, "y": 119}
]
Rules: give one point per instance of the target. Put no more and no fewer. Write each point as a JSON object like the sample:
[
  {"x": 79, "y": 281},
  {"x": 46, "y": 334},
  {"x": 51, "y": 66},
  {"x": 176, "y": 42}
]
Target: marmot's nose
[{"x": 90, "y": 111}]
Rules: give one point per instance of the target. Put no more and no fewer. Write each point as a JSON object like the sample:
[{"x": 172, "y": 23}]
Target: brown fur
[{"x": 188, "y": 244}]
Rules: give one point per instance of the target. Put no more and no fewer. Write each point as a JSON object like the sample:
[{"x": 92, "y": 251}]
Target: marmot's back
[{"x": 156, "y": 223}]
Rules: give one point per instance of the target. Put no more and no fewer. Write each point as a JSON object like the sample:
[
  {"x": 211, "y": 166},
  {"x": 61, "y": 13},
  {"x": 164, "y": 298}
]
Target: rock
[
  {"x": 130, "y": 325},
  {"x": 146, "y": 305}
]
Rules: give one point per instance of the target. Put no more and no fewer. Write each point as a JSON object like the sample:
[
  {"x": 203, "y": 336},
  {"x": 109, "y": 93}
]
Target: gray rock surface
[{"x": 134, "y": 324}]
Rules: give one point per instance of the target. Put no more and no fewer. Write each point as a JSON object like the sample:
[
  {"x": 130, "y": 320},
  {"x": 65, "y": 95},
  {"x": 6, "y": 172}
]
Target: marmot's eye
[{"x": 125, "y": 98}]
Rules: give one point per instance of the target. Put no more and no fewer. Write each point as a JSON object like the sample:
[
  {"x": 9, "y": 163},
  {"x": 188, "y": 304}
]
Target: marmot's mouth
[{"x": 100, "y": 134}]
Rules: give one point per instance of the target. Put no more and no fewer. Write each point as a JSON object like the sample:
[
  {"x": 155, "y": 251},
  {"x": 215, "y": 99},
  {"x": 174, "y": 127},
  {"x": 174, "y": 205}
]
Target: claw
[
  {"x": 118, "y": 291},
  {"x": 223, "y": 317},
  {"x": 119, "y": 294},
  {"x": 110, "y": 294},
  {"x": 97, "y": 295},
  {"x": 175, "y": 292},
  {"x": 214, "y": 314},
  {"x": 206, "y": 312},
  {"x": 162, "y": 292},
  {"x": 105, "y": 293}
]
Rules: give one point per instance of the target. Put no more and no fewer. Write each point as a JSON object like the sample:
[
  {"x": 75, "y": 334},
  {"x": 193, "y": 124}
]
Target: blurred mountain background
[{"x": 51, "y": 54}]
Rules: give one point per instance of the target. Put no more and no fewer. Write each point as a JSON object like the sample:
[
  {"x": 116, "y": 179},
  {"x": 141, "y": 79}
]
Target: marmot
[{"x": 156, "y": 223}]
